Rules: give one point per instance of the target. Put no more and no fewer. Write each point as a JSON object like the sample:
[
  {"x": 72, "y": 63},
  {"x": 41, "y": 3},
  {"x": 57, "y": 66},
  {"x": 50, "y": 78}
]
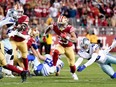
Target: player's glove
[
  {"x": 21, "y": 27},
  {"x": 64, "y": 35},
  {"x": 80, "y": 68}
]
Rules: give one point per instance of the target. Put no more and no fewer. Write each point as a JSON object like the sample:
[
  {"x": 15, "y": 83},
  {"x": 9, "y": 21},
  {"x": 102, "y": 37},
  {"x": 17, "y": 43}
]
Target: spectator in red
[
  {"x": 104, "y": 22},
  {"x": 109, "y": 11},
  {"x": 38, "y": 10},
  {"x": 45, "y": 9},
  {"x": 28, "y": 10},
  {"x": 97, "y": 21}
]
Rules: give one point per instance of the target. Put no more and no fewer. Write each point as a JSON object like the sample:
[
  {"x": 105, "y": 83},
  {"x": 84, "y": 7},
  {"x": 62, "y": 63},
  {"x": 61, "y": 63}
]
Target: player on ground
[
  {"x": 45, "y": 68},
  {"x": 92, "y": 53},
  {"x": 67, "y": 36}
]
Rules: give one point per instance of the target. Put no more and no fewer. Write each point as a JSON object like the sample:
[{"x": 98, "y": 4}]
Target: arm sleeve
[
  {"x": 79, "y": 61},
  {"x": 34, "y": 46},
  {"x": 92, "y": 60}
]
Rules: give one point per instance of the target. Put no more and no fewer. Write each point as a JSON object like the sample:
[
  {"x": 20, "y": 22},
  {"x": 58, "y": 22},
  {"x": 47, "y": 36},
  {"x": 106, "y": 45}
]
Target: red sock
[
  {"x": 25, "y": 62},
  {"x": 13, "y": 68},
  {"x": 73, "y": 69},
  {"x": 55, "y": 57}
]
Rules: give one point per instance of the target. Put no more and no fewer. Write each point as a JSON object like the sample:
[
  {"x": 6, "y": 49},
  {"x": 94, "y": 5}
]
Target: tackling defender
[{"x": 92, "y": 53}]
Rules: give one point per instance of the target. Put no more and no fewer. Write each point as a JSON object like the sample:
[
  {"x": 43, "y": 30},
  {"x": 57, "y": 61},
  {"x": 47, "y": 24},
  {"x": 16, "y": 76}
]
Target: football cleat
[
  {"x": 24, "y": 76},
  {"x": 113, "y": 76},
  {"x": 74, "y": 76}
]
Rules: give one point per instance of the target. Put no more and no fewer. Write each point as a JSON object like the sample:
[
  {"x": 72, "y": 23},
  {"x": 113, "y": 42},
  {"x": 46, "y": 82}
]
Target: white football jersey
[
  {"x": 48, "y": 68},
  {"x": 87, "y": 54}
]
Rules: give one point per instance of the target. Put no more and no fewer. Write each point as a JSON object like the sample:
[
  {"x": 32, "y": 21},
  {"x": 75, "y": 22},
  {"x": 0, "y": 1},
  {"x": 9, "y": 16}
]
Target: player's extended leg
[
  {"x": 108, "y": 70},
  {"x": 59, "y": 50},
  {"x": 22, "y": 46},
  {"x": 55, "y": 57},
  {"x": 71, "y": 61},
  {"x": 106, "y": 67},
  {"x": 71, "y": 58},
  {"x": 11, "y": 67},
  {"x": 18, "y": 61},
  {"x": 8, "y": 55}
]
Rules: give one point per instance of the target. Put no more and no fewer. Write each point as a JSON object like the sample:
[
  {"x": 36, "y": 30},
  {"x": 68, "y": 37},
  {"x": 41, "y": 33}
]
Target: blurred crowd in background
[
  {"x": 85, "y": 13},
  {"x": 94, "y": 17}
]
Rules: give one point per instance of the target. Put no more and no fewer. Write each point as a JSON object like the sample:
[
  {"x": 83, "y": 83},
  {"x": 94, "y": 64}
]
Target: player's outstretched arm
[
  {"x": 90, "y": 62},
  {"x": 78, "y": 62}
]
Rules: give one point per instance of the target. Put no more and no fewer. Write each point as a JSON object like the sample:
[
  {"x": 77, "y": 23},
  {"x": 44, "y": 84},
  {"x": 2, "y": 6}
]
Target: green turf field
[{"x": 90, "y": 77}]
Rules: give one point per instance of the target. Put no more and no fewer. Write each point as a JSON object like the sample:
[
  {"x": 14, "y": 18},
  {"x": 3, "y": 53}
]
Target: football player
[
  {"x": 34, "y": 56},
  {"x": 67, "y": 36},
  {"x": 18, "y": 41},
  {"x": 45, "y": 68},
  {"x": 10, "y": 21},
  {"x": 9, "y": 66},
  {"x": 93, "y": 53}
]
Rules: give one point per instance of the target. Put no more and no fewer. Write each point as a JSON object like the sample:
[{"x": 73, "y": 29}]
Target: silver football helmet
[{"x": 85, "y": 43}]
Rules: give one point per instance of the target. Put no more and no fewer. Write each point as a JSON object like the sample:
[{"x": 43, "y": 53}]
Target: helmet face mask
[
  {"x": 61, "y": 26},
  {"x": 62, "y": 22},
  {"x": 20, "y": 13}
]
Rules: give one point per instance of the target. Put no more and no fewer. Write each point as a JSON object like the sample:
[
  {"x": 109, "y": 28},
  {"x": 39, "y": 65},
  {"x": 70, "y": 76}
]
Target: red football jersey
[
  {"x": 67, "y": 30},
  {"x": 22, "y": 19}
]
